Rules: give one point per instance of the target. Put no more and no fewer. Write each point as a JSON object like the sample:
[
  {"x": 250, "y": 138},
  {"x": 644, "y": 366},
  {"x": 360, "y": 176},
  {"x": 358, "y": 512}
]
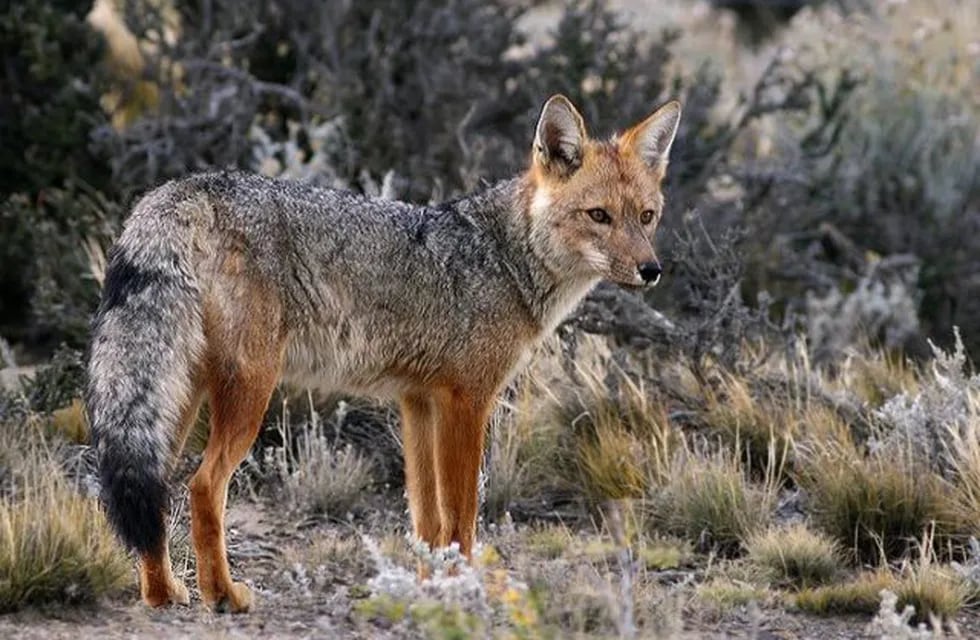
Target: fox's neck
[{"x": 504, "y": 211}]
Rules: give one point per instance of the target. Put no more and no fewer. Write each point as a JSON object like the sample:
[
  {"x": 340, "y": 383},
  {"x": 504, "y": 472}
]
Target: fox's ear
[
  {"x": 651, "y": 139},
  {"x": 559, "y": 137}
]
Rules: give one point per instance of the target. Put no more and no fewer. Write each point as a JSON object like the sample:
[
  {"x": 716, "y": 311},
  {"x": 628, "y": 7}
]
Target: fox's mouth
[
  {"x": 637, "y": 285},
  {"x": 632, "y": 285}
]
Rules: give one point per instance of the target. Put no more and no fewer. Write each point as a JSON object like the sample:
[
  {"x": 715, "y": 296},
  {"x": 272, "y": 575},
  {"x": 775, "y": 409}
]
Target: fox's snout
[{"x": 650, "y": 272}]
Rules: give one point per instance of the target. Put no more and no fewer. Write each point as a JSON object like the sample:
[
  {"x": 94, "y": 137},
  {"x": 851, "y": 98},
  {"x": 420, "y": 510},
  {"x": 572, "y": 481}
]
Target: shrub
[
  {"x": 59, "y": 233},
  {"x": 51, "y": 78},
  {"x": 58, "y": 383},
  {"x": 889, "y": 144},
  {"x": 322, "y": 478}
]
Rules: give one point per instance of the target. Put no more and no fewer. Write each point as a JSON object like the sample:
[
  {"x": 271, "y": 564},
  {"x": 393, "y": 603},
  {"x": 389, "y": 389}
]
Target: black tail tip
[{"x": 136, "y": 504}]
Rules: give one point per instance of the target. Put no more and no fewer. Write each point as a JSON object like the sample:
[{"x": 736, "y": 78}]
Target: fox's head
[{"x": 595, "y": 204}]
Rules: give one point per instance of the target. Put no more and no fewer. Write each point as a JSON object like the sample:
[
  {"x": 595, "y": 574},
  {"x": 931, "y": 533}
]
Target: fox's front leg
[
  {"x": 461, "y": 419},
  {"x": 418, "y": 443}
]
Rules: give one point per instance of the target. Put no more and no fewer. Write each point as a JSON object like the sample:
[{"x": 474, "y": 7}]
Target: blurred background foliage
[{"x": 824, "y": 182}]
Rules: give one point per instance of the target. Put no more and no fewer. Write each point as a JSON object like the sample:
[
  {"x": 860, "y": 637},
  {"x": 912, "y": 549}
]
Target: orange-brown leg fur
[
  {"x": 459, "y": 451},
  {"x": 418, "y": 436},
  {"x": 239, "y": 398},
  {"x": 158, "y": 586}
]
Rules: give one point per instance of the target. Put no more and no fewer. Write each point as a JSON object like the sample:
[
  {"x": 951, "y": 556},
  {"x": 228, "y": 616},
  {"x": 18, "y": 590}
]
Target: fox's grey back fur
[{"x": 366, "y": 287}]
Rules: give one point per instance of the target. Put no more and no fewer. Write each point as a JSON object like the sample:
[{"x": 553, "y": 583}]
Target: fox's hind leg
[
  {"x": 418, "y": 437},
  {"x": 239, "y": 399},
  {"x": 158, "y": 586}
]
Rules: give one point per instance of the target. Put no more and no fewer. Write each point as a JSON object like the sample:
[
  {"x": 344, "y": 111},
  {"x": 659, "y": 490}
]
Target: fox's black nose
[{"x": 650, "y": 272}]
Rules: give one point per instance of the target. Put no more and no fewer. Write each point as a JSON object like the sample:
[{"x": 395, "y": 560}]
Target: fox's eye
[
  {"x": 599, "y": 215},
  {"x": 646, "y": 217}
]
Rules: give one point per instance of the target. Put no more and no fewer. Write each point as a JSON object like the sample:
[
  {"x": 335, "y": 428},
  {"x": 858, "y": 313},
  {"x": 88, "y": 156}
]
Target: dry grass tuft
[
  {"x": 753, "y": 425},
  {"x": 328, "y": 481},
  {"x": 621, "y": 442},
  {"x": 710, "y": 499},
  {"x": 549, "y": 542},
  {"x": 56, "y": 547},
  {"x": 858, "y": 595},
  {"x": 876, "y": 376},
  {"x": 963, "y": 448},
  {"x": 795, "y": 555},
  {"x": 876, "y": 504},
  {"x": 725, "y": 593},
  {"x": 521, "y": 449},
  {"x": 332, "y": 557},
  {"x": 932, "y": 591}
]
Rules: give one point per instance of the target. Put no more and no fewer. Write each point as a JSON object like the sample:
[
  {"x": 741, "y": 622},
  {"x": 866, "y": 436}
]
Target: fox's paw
[
  {"x": 237, "y": 600},
  {"x": 173, "y": 593}
]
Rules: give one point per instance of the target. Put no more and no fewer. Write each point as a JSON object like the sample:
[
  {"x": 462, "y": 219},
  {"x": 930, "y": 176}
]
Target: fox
[{"x": 223, "y": 285}]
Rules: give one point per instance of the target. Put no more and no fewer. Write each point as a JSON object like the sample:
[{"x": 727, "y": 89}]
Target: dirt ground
[{"x": 266, "y": 550}]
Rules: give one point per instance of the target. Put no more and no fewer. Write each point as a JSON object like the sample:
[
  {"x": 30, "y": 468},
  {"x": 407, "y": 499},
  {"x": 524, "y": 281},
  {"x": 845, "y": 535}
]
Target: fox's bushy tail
[{"x": 147, "y": 336}]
